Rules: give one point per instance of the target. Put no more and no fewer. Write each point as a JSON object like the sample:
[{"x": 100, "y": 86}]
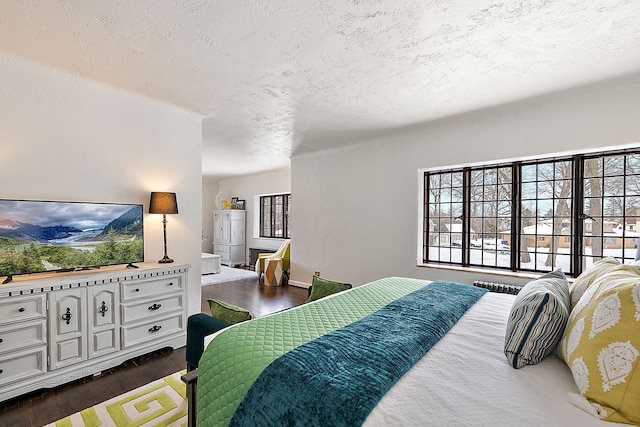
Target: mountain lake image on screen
[{"x": 41, "y": 236}]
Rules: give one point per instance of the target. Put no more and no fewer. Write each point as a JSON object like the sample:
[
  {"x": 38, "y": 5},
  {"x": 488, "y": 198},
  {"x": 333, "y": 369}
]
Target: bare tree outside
[
  {"x": 434, "y": 206},
  {"x": 555, "y": 178},
  {"x": 593, "y": 205}
]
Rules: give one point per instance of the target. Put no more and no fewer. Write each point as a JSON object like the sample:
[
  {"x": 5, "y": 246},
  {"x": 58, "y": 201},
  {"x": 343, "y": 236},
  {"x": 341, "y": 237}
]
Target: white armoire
[{"x": 229, "y": 236}]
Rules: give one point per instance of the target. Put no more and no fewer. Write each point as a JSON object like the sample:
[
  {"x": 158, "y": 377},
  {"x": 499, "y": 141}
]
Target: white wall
[
  {"x": 66, "y": 138},
  {"x": 355, "y": 208},
  {"x": 247, "y": 187},
  {"x": 210, "y": 188}
]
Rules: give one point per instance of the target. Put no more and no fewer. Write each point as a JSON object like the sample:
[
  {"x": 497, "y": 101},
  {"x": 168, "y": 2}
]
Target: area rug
[
  {"x": 227, "y": 274},
  {"x": 160, "y": 403}
]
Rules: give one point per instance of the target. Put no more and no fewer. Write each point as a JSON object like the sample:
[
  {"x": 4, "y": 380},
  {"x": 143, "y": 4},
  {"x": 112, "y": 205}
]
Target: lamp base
[{"x": 165, "y": 260}]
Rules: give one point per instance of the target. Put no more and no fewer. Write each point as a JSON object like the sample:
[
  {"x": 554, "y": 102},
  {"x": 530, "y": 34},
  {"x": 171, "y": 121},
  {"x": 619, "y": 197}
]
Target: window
[
  {"x": 274, "y": 216},
  {"x": 534, "y": 215}
]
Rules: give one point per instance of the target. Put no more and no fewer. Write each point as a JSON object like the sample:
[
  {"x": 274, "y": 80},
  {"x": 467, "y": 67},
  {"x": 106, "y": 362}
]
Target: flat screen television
[{"x": 42, "y": 236}]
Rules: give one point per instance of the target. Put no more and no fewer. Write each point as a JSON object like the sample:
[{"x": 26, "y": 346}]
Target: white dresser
[
  {"x": 229, "y": 236},
  {"x": 56, "y": 328}
]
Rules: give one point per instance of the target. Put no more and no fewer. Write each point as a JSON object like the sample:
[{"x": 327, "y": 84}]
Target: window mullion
[
  {"x": 284, "y": 217},
  {"x": 516, "y": 209},
  {"x": 273, "y": 216},
  {"x": 262, "y": 218},
  {"x": 577, "y": 215},
  {"x": 466, "y": 216}
]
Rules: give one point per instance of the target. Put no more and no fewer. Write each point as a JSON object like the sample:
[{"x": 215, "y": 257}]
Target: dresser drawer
[
  {"x": 220, "y": 249},
  {"x": 20, "y": 365},
  {"x": 22, "y": 308},
  {"x": 154, "y": 286},
  {"x": 224, "y": 252},
  {"x": 148, "y": 331},
  {"x": 154, "y": 307},
  {"x": 22, "y": 335}
]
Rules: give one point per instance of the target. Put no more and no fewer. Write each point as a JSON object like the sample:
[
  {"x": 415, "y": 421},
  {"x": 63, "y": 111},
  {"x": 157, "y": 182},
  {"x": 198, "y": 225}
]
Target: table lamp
[{"x": 163, "y": 203}]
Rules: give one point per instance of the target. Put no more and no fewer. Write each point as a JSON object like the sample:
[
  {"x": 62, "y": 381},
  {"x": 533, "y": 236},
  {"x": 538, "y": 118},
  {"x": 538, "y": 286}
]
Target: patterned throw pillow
[
  {"x": 584, "y": 280},
  {"x": 537, "y": 319},
  {"x": 601, "y": 346}
]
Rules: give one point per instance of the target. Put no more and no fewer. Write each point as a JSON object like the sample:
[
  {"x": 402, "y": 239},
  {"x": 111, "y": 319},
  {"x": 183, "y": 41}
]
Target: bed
[{"x": 463, "y": 379}]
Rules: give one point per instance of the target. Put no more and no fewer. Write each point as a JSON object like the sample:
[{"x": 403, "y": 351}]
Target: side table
[{"x": 273, "y": 271}]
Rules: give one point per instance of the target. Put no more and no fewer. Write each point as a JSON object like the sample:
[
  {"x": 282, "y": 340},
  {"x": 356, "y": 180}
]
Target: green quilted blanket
[
  {"x": 237, "y": 356},
  {"x": 338, "y": 378}
]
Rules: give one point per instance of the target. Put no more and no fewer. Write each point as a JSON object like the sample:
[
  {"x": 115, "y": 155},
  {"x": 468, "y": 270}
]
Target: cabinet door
[
  {"x": 102, "y": 320},
  {"x": 221, "y": 227},
  {"x": 68, "y": 327},
  {"x": 237, "y": 229}
]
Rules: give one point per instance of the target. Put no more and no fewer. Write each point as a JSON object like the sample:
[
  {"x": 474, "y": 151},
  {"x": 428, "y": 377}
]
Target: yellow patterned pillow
[
  {"x": 601, "y": 346},
  {"x": 584, "y": 280}
]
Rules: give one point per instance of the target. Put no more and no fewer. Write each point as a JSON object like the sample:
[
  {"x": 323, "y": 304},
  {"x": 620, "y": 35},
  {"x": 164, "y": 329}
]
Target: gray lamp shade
[{"x": 163, "y": 203}]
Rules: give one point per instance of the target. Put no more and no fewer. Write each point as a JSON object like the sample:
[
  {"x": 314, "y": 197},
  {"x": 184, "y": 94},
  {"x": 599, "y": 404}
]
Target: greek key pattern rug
[{"x": 160, "y": 403}]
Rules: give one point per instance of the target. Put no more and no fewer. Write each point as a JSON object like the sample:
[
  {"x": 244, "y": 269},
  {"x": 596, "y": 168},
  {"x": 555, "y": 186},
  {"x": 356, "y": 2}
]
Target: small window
[{"x": 274, "y": 216}]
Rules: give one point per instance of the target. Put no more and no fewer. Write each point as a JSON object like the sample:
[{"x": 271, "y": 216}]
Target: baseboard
[{"x": 299, "y": 284}]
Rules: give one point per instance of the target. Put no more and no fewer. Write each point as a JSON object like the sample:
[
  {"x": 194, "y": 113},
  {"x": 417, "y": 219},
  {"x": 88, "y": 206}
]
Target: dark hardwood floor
[
  {"x": 257, "y": 297},
  {"x": 46, "y": 406}
]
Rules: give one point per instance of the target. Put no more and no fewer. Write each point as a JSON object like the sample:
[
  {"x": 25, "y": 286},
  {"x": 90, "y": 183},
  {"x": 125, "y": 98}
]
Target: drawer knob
[
  {"x": 21, "y": 309},
  {"x": 1, "y": 340},
  {"x": 67, "y": 316},
  {"x": 154, "y": 307},
  {"x": 103, "y": 309},
  {"x": 155, "y": 328},
  {"x": 137, "y": 290},
  {"x": 1, "y": 371},
  {"x": 170, "y": 283}
]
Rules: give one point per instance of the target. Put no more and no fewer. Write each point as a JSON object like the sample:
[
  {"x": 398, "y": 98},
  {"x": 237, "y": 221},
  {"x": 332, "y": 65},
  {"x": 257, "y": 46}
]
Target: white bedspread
[{"x": 465, "y": 380}]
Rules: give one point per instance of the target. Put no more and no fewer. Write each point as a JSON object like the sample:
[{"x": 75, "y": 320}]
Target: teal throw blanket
[{"x": 338, "y": 378}]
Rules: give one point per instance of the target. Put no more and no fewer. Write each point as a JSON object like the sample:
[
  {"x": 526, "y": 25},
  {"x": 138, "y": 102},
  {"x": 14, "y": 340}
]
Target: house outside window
[
  {"x": 535, "y": 216},
  {"x": 274, "y": 216}
]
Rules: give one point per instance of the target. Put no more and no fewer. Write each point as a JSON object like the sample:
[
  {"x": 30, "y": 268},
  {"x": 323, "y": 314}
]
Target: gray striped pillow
[{"x": 537, "y": 320}]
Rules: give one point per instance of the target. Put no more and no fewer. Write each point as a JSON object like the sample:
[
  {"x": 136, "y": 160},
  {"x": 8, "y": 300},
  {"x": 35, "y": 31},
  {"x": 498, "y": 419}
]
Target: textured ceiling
[{"x": 275, "y": 77}]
